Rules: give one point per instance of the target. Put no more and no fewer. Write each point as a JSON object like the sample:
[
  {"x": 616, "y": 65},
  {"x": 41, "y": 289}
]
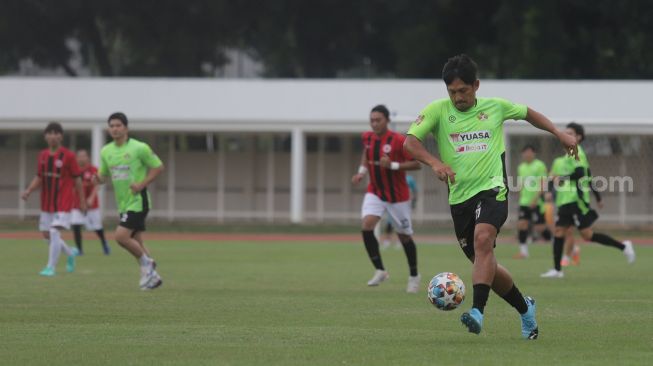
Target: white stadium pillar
[
  {"x": 97, "y": 141},
  {"x": 297, "y": 176}
]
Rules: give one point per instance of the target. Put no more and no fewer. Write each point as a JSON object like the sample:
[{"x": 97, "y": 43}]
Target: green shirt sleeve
[
  {"x": 512, "y": 110},
  {"x": 423, "y": 125},
  {"x": 149, "y": 158},
  {"x": 104, "y": 169}
]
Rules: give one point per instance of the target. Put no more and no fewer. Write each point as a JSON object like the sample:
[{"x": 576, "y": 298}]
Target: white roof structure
[
  {"x": 297, "y": 107},
  {"x": 312, "y": 105}
]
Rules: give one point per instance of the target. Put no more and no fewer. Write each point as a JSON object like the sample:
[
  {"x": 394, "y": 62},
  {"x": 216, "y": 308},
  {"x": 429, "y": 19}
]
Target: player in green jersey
[
  {"x": 531, "y": 174},
  {"x": 469, "y": 134},
  {"x": 132, "y": 166},
  {"x": 573, "y": 204}
]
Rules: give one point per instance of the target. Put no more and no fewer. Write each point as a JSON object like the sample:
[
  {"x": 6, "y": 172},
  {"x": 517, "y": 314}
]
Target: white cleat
[
  {"x": 413, "y": 284},
  {"x": 154, "y": 281},
  {"x": 146, "y": 274},
  {"x": 553, "y": 273},
  {"x": 379, "y": 276},
  {"x": 629, "y": 251}
]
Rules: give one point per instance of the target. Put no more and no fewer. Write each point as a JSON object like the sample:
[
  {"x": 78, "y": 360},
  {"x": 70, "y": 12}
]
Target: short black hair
[
  {"x": 461, "y": 67},
  {"x": 54, "y": 127},
  {"x": 528, "y": 147},
  {"x": 383, "y": 110},
  {"x": 119, "y": 116},
  {"x": 578, "y": 128}
]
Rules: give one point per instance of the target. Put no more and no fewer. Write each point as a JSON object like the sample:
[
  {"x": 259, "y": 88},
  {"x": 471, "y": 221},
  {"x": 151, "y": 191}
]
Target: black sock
[
  {"x": 516, "y": 300},
  {"x": 411, "y": 254},
  {"x": 77, "y": 233},
  {"x": 372, "y": 247},
  {"x": 523, "y": 236},
  {"x": 481, "y": 293},
  {"x": 607, "y": 240},
  {"x": 546, "y": 234},
  {"x": 558, "y": 247},
  {"x": 100, "y": 234}
]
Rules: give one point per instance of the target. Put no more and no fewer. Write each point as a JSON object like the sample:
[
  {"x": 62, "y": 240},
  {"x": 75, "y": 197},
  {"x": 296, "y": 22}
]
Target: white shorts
[
  {"x": 92, "y": 221},
  {"x": 399, "y": 212},
  {"x": 54, "y": 219}
]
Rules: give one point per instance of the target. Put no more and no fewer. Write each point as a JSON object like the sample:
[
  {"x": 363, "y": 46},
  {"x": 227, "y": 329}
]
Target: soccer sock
[
  {"x": 607, "y": 240},
  {"x": 546, "y": 234},
  {"x": 523, "y": 246},
  {"x": 481, "y": 293},
  {"x": 523, "y": 236},
  {"x": 144, "y": 260},
  {"x": 64, "y": 247},
  {"x": 372, "y": 247},
  {"x": 77, "y": 232},
  {"x": 558, "y": 247},
  {"x": 100, "y": 234},
  {"x": 55, "y": 248},
  {"x": 411, "y": 254},
  {"x": 515, "y": 299}
]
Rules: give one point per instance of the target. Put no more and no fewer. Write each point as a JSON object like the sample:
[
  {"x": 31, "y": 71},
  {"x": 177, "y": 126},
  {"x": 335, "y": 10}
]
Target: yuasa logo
[
  {"x": 471, "y": 148},
  {"x": 469, "y": 136}
]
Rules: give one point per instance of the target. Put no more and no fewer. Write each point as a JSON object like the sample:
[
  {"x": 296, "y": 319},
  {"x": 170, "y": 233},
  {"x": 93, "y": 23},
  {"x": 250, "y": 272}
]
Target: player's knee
[
  {"x": 586, "y": 234},
  {"x": 522, "y": 225},
  {"x": 559, "y": 232},
  {"x": 483, "y": 243},
  {"x": 405, "y": 239}
]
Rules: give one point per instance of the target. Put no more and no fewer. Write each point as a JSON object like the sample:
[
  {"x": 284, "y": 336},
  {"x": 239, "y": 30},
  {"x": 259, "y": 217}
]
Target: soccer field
[{"x": 307, "y": 303}]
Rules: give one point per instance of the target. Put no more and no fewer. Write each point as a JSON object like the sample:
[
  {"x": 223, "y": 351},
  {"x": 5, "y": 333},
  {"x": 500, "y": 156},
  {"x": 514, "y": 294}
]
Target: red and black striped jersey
[
  {"x": 87, "y": 184},
  {"x": 57, "y": 171},
  {"x": 389, "y": 185}
]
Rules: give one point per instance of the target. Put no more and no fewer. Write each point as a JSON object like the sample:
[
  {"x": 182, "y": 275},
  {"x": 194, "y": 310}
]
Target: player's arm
[
  {"x": 91, "y": 197},
  {"x": 540, "y": 121},
  {"x": 385, "y": 162},
  {"x": 417, "y": 150},
  {"x": 597, "y": 195},
  {"x": 79, "y": 188},
  {"x": 152, "y": 173},
  {"x": 33, "y": 185},
  {"x": 100, "y": 177},
  {"x": 362, "y": 169}
]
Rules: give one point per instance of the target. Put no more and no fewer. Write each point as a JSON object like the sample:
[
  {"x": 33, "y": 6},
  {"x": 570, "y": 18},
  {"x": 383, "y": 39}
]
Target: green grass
[{"x": 307, "y": 304}]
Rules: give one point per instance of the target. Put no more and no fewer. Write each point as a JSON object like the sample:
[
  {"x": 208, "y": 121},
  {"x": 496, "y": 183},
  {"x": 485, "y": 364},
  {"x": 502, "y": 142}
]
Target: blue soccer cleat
[
  {"x": 473, "y": 320},
  {"x": 70, "y": 262},
  {"x": 47, "y": 272},
  {"x": 528, "y": 324}
]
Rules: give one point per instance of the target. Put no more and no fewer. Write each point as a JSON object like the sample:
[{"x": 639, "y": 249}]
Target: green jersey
[
  {"x": 530, "y": 177},
  {"x": 584, "y": 186},
  {"x": 470, "y": 142},
  {"x": 127, "y": 164},
  {"x": 566, "y": 192}
]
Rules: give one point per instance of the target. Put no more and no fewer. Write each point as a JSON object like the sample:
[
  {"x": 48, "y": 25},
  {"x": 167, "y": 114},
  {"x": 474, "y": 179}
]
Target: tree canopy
[{"x": 332, "y": 38}]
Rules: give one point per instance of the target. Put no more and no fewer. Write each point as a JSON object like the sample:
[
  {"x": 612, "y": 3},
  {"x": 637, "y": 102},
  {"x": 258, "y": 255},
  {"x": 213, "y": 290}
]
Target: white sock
[
  {"x": 144, "y": 260},
  {"x": 523, "y": 249},
  {"x": 565, "y": 258},
  {"x": 55, "y": 248},
  {"x": 64, "y": 247}
]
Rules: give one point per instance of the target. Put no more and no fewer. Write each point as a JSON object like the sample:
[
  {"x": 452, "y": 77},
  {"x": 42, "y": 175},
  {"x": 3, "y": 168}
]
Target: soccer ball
[{"x": 446, "y": 291}]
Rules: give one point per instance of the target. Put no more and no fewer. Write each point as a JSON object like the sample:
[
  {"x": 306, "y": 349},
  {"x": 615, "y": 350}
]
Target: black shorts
[
  {"x": 133, "y": 220},
  {"x": 533, "y": 215},
  {"x": 483, "y": 208},
  {"x": 571, "y": 215}
]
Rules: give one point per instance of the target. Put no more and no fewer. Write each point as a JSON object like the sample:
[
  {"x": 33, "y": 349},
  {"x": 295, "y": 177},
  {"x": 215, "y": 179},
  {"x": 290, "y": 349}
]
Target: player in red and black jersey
[
  {"x": 58, "y": 176},
  {"x": 386, "y": 162},
  {"x": 93, "y": 218}
]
